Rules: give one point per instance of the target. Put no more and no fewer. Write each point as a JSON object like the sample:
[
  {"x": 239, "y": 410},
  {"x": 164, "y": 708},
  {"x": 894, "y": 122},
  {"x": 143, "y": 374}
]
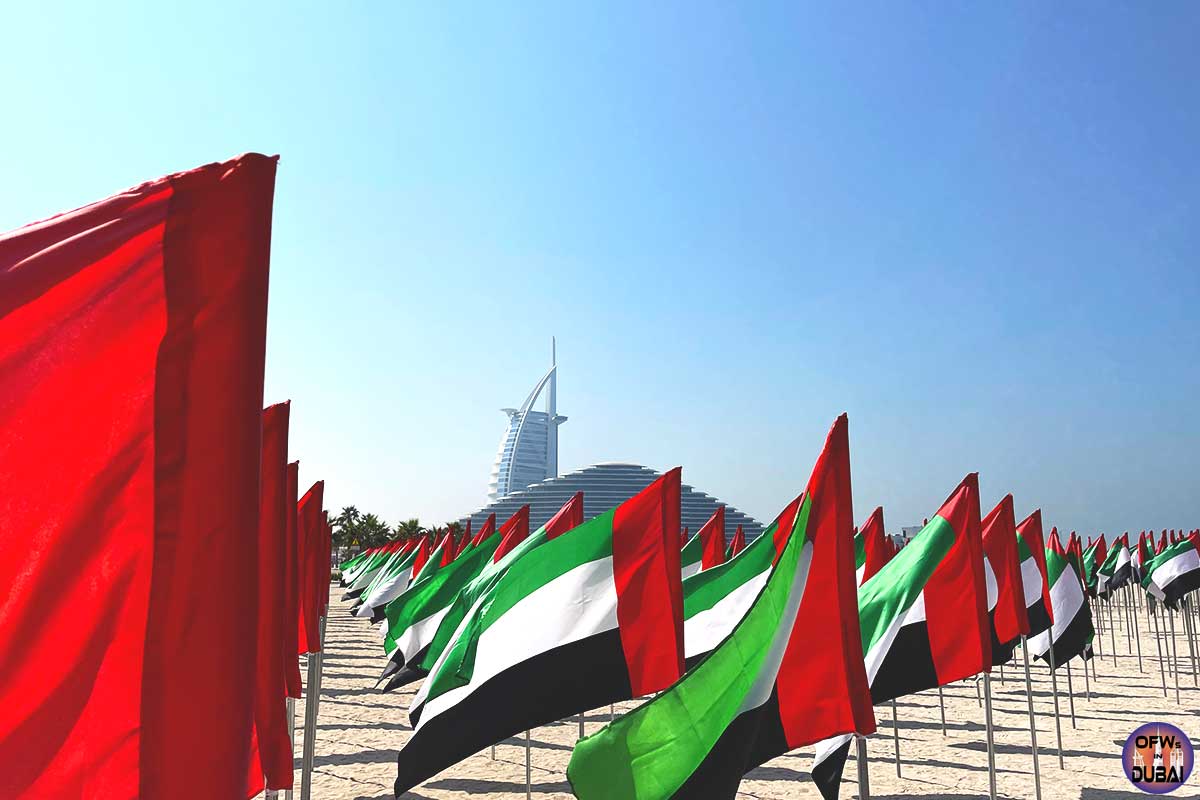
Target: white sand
[{"x": 360, "y": 731}]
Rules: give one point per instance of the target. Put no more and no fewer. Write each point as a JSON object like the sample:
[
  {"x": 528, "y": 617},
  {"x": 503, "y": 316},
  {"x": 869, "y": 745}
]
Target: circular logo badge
[{"x": 1157, "y": 758}]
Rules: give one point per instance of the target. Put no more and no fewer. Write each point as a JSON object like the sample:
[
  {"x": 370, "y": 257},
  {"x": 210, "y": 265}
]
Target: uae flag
[
  {"x": 715, "y": 600},
  {"x": 366, "y": 573},
  {"x": 1116, "y": 570},
  {"x": 132, "y": 342},
  {"x": 1034, "y": 582},
  {"x": 1006, "y": 599},
  {"x": 513, "y": 546},
  {"x": 312, "y": 586},
  {"x": 712, "y": 540},
  {"x": 789, "y": 674},
  {"x": 392, "y": 580},
  {"x": 581, "y": 620},
  {"x": 291, "y": 608},
  {"x": 396, "y": 552},
  {"x": 352, "y": 563},
  {"x": 1175, "y": 572},
  {"x": 923, "y": 616},
  {"x": 1071, "y": 633},
  {"x": 871, "y": 546},
  {"x": 412, "y": 619},
  {"x": 1093, "y": 557}
]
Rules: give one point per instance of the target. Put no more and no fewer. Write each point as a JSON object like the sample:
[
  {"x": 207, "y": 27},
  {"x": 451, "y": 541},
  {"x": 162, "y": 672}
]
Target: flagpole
[
  {"x": 581, "y": 734},
  {"x": 310, "y": 715},
  {"x": 1128, "y": 623},
  {"x": 291, "y": 718},
  {"x": 528, "y": 769},
  {"x": 1189, "y": 631},
  {"x": 942, "y": 706},
  {"x": 1112, "y": 631},
  {"x": 1070, "y": 693},
  {"x": 1175, "y": 656},
  {"x": 1162, "y": 669},
  {"x": 1137, "y": 630},
  {"x": 991, "y": 743},
  {"x": 1037, "y": 775},
  {"x": 896, "y": 736},
  {"x": 1087, "y": 683},
  {"x": 864, "y": 778},
  {"x": 1054, "y": 689},
  {"x": 1001, "y": 674}
]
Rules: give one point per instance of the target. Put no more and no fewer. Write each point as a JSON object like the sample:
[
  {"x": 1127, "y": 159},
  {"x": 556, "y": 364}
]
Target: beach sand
[{"x": 360, "y": 731}]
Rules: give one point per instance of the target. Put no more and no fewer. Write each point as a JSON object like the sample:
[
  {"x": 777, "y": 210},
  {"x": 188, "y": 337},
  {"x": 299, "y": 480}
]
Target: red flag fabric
[
  {"x": 1031, "y": 531},
  {"x": 423, "y": 552},
  {"x": 956, "y": 594},
  {"x": 739, "y": 542},
  {"x": 132, "y": 341},
  {"x": 308, "y": 515},
  {"x": 489, "y": 527},
  {"x": 447, "y": 547},
  {"x": 875, "y": 544},
  {"x": 273, "y": 755},
  {"x": 712, "y": 536},
  {"x": 822, "y": 681},
  {"x": 683, "y": 537},
  {"x": 1101, "y": 552},
  {"x": 513, "y": 532},
  {"x": 1054, "y": 543},
  {"x": 291, "y": 644},
  {"x": 1011, "y": 620}
]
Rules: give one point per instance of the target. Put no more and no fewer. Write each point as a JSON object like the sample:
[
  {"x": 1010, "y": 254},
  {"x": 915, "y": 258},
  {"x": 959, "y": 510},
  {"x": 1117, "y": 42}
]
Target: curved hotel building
[{"x": 526, "y": 471}]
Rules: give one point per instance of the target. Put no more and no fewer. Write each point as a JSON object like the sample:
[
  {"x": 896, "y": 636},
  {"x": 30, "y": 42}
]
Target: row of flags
[
  {"x": 172, "y": 574},
  {"x": 751, "y": 650}
]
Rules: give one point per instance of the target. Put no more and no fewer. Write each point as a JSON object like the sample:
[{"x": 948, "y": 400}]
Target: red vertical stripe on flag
[
  {"x": 1031, "y": 531},
  {"x": 291, "y": 612},
  {"x": 822, "y": 682},
  {"x": 874, "y": 544},
  {"x": 712, "y": 539},
  {"x": 956, "y": 594},
  {"x": 308, "y": 513},
  {"x": 132, "y": 336},
  {"x": 1000, "y": 545},
  {"x": 646, "y": 570}
]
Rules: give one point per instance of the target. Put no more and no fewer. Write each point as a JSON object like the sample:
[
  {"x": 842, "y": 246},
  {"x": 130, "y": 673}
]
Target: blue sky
[{"x": 974, "y": 229}]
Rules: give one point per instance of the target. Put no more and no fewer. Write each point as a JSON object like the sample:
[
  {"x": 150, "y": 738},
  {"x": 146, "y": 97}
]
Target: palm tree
[{"x": 409, "y": 529}]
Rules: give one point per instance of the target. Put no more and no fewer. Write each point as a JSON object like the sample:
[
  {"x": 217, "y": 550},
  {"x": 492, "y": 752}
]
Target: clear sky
[{"x": 973, "y": 227}]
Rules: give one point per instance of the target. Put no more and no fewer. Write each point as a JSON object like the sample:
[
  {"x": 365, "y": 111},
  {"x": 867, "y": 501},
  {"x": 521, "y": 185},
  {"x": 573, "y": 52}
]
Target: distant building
[
  {"x": 529, "y": 447},
  {"x": 526, "y": 471},
  {"x": 605, "y": 486}
]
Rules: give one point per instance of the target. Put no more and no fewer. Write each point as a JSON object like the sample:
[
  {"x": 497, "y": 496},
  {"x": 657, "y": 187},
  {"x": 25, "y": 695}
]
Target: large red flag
[
  {"x": 271, "y": 755},
  {"x": 291, "y": 590},
  {"x": 132, "y": 341}
]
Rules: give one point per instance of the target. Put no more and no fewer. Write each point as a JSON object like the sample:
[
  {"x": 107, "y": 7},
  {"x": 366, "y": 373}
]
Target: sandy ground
[{"x": 359, "y": 732}]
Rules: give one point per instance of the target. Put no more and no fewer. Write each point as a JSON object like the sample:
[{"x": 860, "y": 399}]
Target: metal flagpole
[
  {"x": 1037, "y": 775},
  {"x": 1129, "y": 622},
  {"x": 291, "y": 718},
  {"x": 528, "y": 769},
  {"x": 1001, "y": 674},
  {"x": 1112, "y": 631},
  {"x": 1137, "y": 632},
  {"x": 942, "y": 706},
  {"x": 864, "y": 778},
  {"x": 991, "y": 743},
  {"x": 1189, "y": 630},
  {"x": 310, "y": 716},
  {"x": 896, "y": 736},
  {"x": 1070, "y": 693},
  {"x": 1054, "y": 689},
  {"x": 1087, "y": 683},
  {"x": 978, "y": 694},
  {"x": 581, "y": 725},
  {"x": 1162, "y": 669},
  {"x": 1175, "y": 656},
  {"x": 612, "y": 712}
]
